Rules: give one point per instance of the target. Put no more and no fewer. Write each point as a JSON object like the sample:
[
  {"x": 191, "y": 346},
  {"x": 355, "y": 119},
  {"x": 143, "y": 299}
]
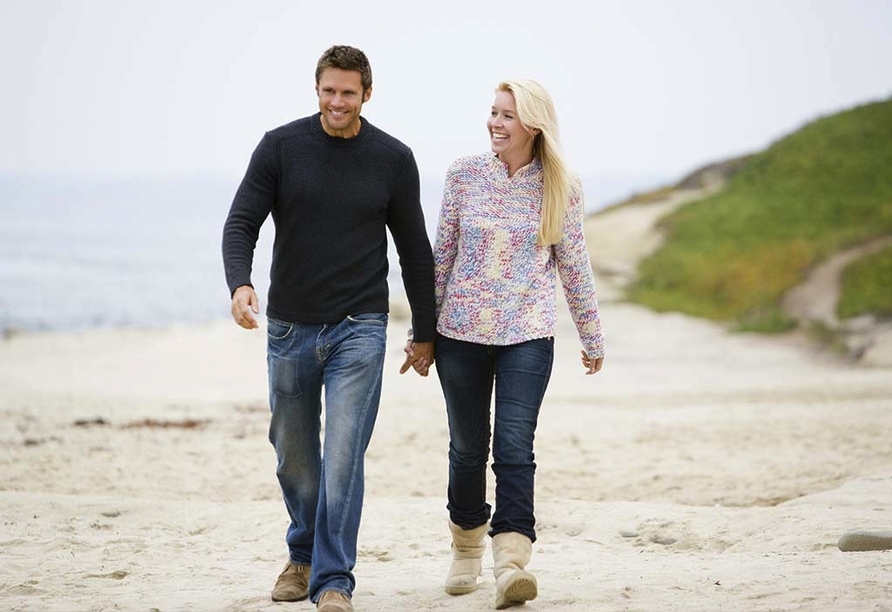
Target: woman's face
[{"x": 509, "y": 138}]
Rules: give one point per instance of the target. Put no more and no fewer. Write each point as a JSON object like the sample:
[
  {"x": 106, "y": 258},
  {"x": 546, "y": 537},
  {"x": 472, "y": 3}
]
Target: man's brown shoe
[
  {"x": 334, "y": 601},
  {"x": 292, "y": 584}
]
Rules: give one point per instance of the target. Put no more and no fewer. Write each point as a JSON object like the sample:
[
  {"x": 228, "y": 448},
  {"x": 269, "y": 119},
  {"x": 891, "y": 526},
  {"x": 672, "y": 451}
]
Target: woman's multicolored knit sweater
[{"x": 494, "y": 284}]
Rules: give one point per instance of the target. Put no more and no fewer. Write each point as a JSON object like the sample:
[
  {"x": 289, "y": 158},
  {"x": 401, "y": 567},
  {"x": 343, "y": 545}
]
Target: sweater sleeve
[
  {"x": 405, "y": 219},
  {"x": 446, "y": 242},
  {"x": 578, "y": 280},
  {"x": 252, "y": 204}
]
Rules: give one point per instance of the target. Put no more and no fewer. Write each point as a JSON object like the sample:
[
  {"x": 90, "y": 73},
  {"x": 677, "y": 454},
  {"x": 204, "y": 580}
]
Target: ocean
[{"x": 84, "y": 253}]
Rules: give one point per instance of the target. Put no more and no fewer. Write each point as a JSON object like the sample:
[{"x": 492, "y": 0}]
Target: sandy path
[
  {"x": 620, "y": 237},
  {"x": 816, "y": 297}
]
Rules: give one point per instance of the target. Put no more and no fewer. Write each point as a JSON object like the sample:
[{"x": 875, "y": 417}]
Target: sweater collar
[
  {"x": 531, "y": 169},
  {"x": 365, "y": 129}
]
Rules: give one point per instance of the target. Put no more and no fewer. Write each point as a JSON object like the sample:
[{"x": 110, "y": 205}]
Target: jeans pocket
[
  {"x": 284, "y": 379},
  {"x": 277, "y": 330},
  {"x": 367, "y": 325}
]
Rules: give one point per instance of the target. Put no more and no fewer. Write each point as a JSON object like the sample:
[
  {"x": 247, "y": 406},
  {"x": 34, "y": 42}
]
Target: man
[{"x": 333, "y": 182}]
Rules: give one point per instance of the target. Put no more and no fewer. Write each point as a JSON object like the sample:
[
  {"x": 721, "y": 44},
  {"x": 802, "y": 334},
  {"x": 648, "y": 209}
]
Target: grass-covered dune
[{"x": 825, "y": 188}]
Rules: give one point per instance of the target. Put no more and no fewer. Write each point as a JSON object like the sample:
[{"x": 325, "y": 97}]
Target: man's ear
[{"x": 367, "y": 95}]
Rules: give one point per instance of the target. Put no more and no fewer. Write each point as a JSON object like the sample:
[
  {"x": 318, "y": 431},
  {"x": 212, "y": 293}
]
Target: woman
[{"x": 510, "y": 221}]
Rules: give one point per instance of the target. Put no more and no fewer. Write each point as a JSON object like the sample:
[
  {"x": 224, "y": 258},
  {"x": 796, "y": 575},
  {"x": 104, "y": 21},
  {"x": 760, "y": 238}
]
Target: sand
[{"x": 700, "y": 470}]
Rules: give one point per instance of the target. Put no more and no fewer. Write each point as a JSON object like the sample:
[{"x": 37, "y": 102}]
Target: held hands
[
  {"x": 592, "y": 365},
  {"x": 420, "y": 356},
  {"x": 244, "y": 306}
]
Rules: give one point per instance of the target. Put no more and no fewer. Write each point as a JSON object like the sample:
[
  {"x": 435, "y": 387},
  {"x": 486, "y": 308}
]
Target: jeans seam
[{"x": 358, "y": 457}]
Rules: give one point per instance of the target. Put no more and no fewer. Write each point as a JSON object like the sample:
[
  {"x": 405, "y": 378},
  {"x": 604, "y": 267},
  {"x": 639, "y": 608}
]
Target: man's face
[{"x": 340, "y": 101}]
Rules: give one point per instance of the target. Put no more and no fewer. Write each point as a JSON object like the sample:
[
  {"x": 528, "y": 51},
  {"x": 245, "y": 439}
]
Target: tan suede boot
[
  {"x": 292, "y": 583},
  {"x": 467, "y": 559},
  {"x": 514, "y": 585},
  {"x": 334, "y": 601}
]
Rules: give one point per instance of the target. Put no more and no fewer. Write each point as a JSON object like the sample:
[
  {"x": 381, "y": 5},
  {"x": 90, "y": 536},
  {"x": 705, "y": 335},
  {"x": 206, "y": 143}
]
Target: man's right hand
[{"x": 244, "y": 306}]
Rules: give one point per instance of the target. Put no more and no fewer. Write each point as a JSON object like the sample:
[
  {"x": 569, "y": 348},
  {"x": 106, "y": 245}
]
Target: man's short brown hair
[{"x": 346, "y": 58}]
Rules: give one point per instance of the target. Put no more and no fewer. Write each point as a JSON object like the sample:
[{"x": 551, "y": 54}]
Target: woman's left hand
[
  {"x": 419, "y": 355},
  {"x": 592, "y": 365}
]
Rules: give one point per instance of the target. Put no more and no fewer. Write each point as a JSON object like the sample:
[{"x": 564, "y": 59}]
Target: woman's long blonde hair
[{"x": 535, "y": 109}]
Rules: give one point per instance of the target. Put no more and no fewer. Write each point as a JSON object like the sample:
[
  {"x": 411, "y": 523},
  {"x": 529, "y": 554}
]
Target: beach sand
[{"x": 700, "y": 470}]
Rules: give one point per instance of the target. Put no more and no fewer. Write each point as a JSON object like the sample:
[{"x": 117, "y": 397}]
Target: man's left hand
[{"x": 419, "y": 356}]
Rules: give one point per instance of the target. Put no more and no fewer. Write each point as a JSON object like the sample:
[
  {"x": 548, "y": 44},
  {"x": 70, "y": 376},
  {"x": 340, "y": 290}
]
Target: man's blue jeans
[
  {"x": 520, "y": 374},
  {"x": 323, "y": 482}
]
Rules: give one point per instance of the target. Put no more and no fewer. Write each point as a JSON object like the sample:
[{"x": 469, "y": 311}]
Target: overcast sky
[{"x": 644, "y": 88}]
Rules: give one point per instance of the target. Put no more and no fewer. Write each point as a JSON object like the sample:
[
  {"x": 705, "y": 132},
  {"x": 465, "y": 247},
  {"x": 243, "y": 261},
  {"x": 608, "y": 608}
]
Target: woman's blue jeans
[
  {"x": 323, "y": 481},
  {"x": 468, "y": 372}
]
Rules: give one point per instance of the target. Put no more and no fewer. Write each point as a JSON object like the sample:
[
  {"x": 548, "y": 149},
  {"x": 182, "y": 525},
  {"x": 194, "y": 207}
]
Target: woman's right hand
[{"x": 592, "y": 365}]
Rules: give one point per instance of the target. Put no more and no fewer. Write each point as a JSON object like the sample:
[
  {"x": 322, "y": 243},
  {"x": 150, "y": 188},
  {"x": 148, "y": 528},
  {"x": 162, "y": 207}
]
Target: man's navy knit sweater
[{"x": 331, "y": 200}]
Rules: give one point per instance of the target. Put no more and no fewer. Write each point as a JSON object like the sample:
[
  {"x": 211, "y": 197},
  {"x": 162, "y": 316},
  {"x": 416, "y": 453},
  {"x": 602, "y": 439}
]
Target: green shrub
[{"x": 867, "y": 286}]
